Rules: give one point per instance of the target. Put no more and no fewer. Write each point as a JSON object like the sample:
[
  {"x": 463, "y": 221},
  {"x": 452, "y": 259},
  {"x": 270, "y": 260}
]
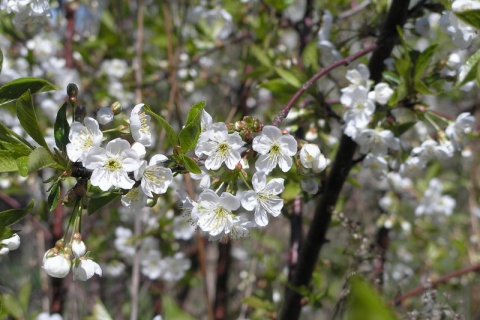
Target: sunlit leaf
[
  {"x": 469, "y": 70},
  {"x": 171, "y": 133},
  {"x": 191, "y": 165},
  {"x": 40, "y": 158},
  {"x": 16, "y": 88},
  {"x": 289, "y": 77},
  {"x": 62, "y": 128},
  {"x": 9, "y": 217},
  {"x": 28, "y": 118}
]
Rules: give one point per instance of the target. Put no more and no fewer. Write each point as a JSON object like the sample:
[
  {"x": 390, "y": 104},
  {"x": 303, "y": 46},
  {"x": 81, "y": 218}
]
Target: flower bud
[
  {"x": 11, "y": 243},
  {"x": 84, "y": 269},
  {"x": 72, "y": 91},
  {"x": 116, "y": 108},
  {"x": 104, "y": 115},
  {"x": 57, "y": 266},
  {"x": 78, "y": 246}
]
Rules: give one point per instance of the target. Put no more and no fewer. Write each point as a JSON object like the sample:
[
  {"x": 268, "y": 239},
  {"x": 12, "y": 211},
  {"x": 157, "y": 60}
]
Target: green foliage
[
  {"x": 469, "y": 70},
  {"x": 53, "y": 196},
  {"x": 173, "y": 311},
  {"x": 471, "y": 17},
  {"x": 17, "y": 88},
  {"x": 28, "y": 118},
  {"x": 62, "y": 129},
  {"x": 190, "y": 165},
  {"x": 189, "y": 134},
  {"x": 10, "y": 217},
  {"x": 171, "y": 133},
  {"x": 101, "y": 199},
  {"x": 365, "y": 303},
  {"x": 99, "y": 312}
]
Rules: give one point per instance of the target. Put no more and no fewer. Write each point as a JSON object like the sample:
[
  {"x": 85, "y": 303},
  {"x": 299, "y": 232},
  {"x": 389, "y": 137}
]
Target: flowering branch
[{"x": 346, "y": 61}]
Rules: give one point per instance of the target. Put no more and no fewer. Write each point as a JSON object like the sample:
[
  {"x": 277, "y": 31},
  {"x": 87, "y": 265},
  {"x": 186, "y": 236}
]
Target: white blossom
[
  {"x": 134, "y": 199},
  {"x": 105, "y": 115},
  {"x": 433, "y": 202},
  {"x": 381, "y": 93},
  {"x": 220, "y": 147},
  {"x": 461, "y": 33},
  {"x": 457, "y": 131},
  {"x": 140, "y": 126},
  {"x": 377, "y": 164},
  {"x": 183, "y": 228},
  {"x": 430, "y": 150},
  {"x": 111, "y": 165},
  {"x": 264, "y": 198},
  {"x": 84, "y": 269},
  {"x": 56, "y": 265},
  {"x": 377, "y": 142},
  {"x": 174, "y": 268},
  {"x": 78, "y": 248},
  {"x": 215, "y": 213},
  {"x": 309, "y": 185},
  {"x": 312, "y": 158},
  {"x": 274, "y": 148},
  {"x": 83, "y": 138},
  {"x": 154, "y": 178}
]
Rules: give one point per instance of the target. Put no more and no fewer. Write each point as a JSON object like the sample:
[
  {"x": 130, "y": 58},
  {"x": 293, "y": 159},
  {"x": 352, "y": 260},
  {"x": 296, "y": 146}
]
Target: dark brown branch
[
  {"x": 346, "y": 61},
  {"x": 342, "y": 164},
  {"x": 70, "y": 16},
  {"x": 221, "y": 292},
  {"x": 420, "y": 289}
]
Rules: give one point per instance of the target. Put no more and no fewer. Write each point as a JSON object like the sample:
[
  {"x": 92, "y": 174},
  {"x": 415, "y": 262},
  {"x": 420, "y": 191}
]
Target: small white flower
[
  {"x": 381, "y": 94},
  {"x": 78, "y": 248},
  {"x": 274, "y": 148},
  {"x": 204, "y": 178},
  {"x": 139, "y": 149},
  {"x": 57, "y": 266},
  {"x": 105, "y": 115},
  {"x": 151, "y": 266},
  {"x": 309, "y": 185},
  {"x": 359, "y": 77},
  {"x": 134, "y": 199},
  {"x": 461, "y": 33},
  {"x": 360, "y": 108},
  {"x": 155, "y": 178},
  {"x": 377, "y": 142},
  {"x": 140, "y": 126},
  {"x": 312, "y": 158},
  {"x": 220, "y": 147},
  {"x": 377, "y": 165},
  {"x": 183, "y": 228},
  {"x": 215, "y": 213},
  {"x": 431, "y": 149},
  {"x": 48, "y": 316},
  {"x": 84, "y": 269},
  {"x": 457, "y": 131},
  {"x": 174, "y": 268},
  {"x": 111, "y": 165},
  {"x": 264, "y": 199},
  {"x": 433, "y": 202},
  {"x": 83, "y": 138},
  {"x": 123, "y": 242}
]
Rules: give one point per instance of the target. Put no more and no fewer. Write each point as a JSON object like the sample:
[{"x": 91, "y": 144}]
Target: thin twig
[
  {"x": 421, "y": 288},
  {"x": 346, "y": 61}
]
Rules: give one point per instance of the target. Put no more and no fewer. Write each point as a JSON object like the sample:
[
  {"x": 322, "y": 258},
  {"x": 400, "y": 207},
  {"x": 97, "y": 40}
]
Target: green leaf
[
  {"x": 391, "y": 77},
  {"x": 469, "y": 70},
  {"x": 171, "y": 133},
  {"x": 28, "y": 118},
  {"x": 8, "y": 135},
  {"x": 422, "y": 88},
  {"x": 16, "y": 88},
  {"x": 99, "y": 312},
  {"x": 7, "y": 162},
  {"x": 261, "y": 56},
  {"x": 195, "y": 112},
  {"x": 365, "y": 303},
  {"x": 191, "y": 165},
  {"x": 24, "y": 295},
  {"x": 279, "y": 86},
  {"x": 423, "y": 60},
  {"x": 289, "y": 77},
  {"x": 257, "y": 303},
  {"x": 404, "y": 127},
  {"x": 310, "y": 55},
  {"x": 171, "y": 310},
  {"x": 53, "y": 196},
  {"x": 9, "y": 217},
  {"x": 40, "y": 158},
  {"x": 279, "y": 5},
  {"x": 189, "y": 134},
  {"x": 62, "y": 129},
  {"x": 100, "y": 201},
  {"x": 6, "y": 233},
  {"x": 22, "y": 164},
  {"x": 12, "y": 306},
  {"x": 471, "y": 17},
  {"x": 1, "y": 60}
]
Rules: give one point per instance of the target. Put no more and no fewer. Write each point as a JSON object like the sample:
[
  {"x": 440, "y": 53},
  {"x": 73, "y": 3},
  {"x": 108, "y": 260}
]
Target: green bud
[{"x": 116, "y": 108}]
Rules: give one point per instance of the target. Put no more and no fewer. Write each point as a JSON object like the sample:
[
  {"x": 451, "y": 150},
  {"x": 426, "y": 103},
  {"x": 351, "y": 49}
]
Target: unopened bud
[
  {"x": 80, "y": 113},
  {"x": 257, "y": 125},
  {"x": 116, "y": 107},
  {"x": 72, "y": 92},
  {"x": 59, "y": 244},
  {"x": 105, "y": 115},
  {"x": 151, "y": 202}
]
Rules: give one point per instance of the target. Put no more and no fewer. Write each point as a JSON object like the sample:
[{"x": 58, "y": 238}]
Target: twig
[
  {"x": 70, "y": 16},
  {"x": 346, "y": 61},
  {"x": 421, "y": 288}
]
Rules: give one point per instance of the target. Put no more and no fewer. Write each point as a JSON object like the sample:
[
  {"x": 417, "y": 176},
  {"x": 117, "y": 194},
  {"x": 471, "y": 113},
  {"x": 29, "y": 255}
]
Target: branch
[
  {"x": 346, "y": 61},
  {"x": 342, "y": 164},
  {"x": 420, "y": 289}
]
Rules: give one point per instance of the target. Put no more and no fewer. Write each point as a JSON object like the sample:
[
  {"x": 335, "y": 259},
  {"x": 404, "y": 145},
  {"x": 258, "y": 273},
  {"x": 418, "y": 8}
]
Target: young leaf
[
  {"x": 40, "y": 158},
  {"x": 62, "y": 129},
  {"x": 471, "y": 17},
  {"x": 365, "y": 303},
  {"x": 189, "y": 134},
  {"x": 22, "y": 164},
  {"x": 289, "y": 77},
  {"x": 7, "y": 162},
  {"x": 24, "y": 295},
  {"x": 100, "y": 201},
  {"x": 261, "y": 56},
  {"x": 171, "y": 133},
  {"x": 422, "y": 62},
  {"x": 12, "y": 306},
  {"x": 16, "y": 88},
  {"x": 28, "y": 118},
  {"x": 469, "y": 70},
  {"x": 9, "y": 217},
  {"x": 191, "y": 165},
  {"x": 53, "y": 196}
]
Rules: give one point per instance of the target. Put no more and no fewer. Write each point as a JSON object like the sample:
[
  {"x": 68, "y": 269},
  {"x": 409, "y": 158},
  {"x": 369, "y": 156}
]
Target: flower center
[
  {"x": 112, "y": 165},
  {"x": 144, "y": 121}
]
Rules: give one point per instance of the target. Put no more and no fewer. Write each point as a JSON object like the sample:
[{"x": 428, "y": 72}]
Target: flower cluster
[
  {"x": 57, "y": 261},
  {"x": 26, "y": 11},
  {"x": 9, "y": 244}
]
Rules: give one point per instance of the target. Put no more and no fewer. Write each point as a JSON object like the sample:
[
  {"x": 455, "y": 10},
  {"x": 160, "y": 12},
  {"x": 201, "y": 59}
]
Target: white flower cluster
[
  {"x": 220, "y": 215},
  {"x": 119, "y": 164},
  {"x": 57, "y": 263},
  {"x": 26, "y": 11},
  {"x": 461, "y": 33}
]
